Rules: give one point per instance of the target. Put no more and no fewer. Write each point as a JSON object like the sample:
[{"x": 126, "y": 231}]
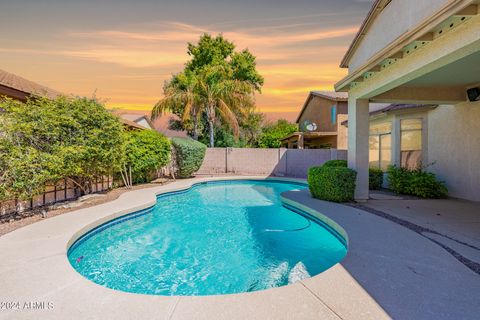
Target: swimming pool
[{"x": 215, "y": 238}]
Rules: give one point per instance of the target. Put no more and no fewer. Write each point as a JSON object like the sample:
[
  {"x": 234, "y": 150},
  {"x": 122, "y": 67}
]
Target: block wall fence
[{"x": 275, "y": 162}]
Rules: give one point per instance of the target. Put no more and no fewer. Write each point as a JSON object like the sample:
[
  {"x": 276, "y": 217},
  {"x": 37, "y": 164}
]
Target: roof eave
[
  {"x": 372, "y": 14},
  {"x": 304, "y": 107}
]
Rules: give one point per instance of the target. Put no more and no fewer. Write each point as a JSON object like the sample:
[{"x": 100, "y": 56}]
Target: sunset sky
[{"x": 123, "y": 51}]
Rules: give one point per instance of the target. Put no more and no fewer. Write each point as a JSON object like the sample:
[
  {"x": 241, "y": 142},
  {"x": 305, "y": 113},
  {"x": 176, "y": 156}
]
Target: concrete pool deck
[{"x": 389, "y": 271}]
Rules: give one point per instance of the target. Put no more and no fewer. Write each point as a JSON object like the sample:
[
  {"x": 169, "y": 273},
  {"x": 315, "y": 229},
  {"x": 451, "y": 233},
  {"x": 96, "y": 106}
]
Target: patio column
[
  {"x": 300, "y": 141},
  {"x": 358, "y": 130}
]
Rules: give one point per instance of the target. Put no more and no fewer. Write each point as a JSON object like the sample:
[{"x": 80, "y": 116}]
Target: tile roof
[
  {"x": 131, "y": 124},
  {"x": 161, "y": 124},
  {"x": 28, "y": 87},
  {"x": 331, "y": 95}
]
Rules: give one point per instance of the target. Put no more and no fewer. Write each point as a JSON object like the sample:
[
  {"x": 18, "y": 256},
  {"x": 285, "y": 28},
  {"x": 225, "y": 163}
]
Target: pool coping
[{"x": 32, "y": 250}]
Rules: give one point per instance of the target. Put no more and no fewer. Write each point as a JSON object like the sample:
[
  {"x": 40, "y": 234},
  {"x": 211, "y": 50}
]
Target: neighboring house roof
[
  {"x": 377, "y": 7},
  {"x": 20, "y": 88},
  {"x": 397, "y": 107},
  {"x": 160, "y": 124},
  {"x": 131, "y": 124},
  {"x": 329, "y": 95},
  {"x": 137, "y": 118}
]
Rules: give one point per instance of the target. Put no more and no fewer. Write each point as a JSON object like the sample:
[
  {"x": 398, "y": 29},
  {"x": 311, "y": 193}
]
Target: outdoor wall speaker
[{"x": 473, "y": 94}]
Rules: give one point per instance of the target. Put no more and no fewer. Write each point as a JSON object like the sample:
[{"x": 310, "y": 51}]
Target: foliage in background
[
  {"x": 188, "y": 155},
  {"x": 47, "y": 140},
  {"x": 215, "y": 88},
  {"x": 335, "y": 184},
  {"x": 250, "y": 129},
  {"x": 146, "y": 151},
  {"x": 271, "y": 135},
  {"x": 417, "y": 182},
  {"x": 375, "y": 178}
]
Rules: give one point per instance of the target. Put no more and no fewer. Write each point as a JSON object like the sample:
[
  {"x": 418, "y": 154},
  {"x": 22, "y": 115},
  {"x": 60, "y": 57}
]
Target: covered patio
[
  {"x": 432, "y": 59},
  {"x": 310, "y": 140}
]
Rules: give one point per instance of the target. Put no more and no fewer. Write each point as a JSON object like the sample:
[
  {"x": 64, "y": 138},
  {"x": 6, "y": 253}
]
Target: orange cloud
[{"x": 128, "y": 67}]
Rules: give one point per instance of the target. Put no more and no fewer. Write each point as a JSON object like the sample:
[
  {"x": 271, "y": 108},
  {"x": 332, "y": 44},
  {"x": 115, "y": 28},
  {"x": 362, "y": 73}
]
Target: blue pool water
[{"x": 215, "y": 238}]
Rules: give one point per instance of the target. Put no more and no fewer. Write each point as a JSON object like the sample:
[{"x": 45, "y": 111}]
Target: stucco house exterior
[
  {"x": 419, "y": 52},
  {"x": 406, "y": 147},
  {"x": 319, "y": 122}
]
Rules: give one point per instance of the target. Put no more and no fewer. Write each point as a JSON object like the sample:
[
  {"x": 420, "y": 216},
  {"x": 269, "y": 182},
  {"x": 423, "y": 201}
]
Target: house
[
  {"x": 131, "y": 125},
  {"x": 404, "y": 147},
  {"x": 320, "y": 121},
  {"x": 140, "y": 119},
  {"x": 419, "y": 52},
  {"x": 19, "y": 88}
]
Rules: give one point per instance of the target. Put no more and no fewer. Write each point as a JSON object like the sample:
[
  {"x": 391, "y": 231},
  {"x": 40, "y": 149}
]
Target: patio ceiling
[{"x": 447, "y": 84}]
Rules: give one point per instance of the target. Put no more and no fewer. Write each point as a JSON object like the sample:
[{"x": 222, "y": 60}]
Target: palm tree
[
  {"x": 226, "y": 97},
  {"x": 208, "y": 91},
  {"x": 180, "y": 94}
]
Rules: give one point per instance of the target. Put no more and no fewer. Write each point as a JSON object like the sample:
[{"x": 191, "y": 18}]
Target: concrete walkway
[
  {"x": 457, "y": 218},
  {"x": 455, "y": 223},
  {"x": 409, "y": 276},
  {"x": 389, "y": 271}
]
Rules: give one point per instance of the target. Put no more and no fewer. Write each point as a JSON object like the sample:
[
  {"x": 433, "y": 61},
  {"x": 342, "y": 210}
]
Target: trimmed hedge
[
  {"x": 335, "y": 184},
  {"x": 375, "y": 178},
  {"x": 147, "y": 151},
  {"x": 375, "y": 175},
  {"x": 416, "y": 182},
  {"x": 189, "y": 155},
  {"x": 336, "y": 163}
]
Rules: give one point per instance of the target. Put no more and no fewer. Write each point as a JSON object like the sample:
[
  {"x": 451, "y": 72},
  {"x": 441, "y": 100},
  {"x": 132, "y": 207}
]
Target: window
[
  {"x": 380, "y": 145},
  {"x": 333, "y": 114},
  {"x": 411, "y": 143}
]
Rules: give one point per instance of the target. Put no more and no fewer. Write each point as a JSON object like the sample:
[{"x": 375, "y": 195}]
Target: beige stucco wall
[
  {"x": 318, "y": 110},
  {"x": 342, "y": 132},
  {"x": 388, "y": 26},
  {"x": 454, "y": 143}
]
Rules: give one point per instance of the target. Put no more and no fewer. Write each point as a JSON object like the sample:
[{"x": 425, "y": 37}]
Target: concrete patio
[
  {"x": 390, "y": 272},
  {"x": 454, "y": 223}
]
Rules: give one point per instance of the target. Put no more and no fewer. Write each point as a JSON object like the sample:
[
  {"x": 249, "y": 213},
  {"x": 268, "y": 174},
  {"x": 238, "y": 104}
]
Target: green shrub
[
  {"x": 44, "y": 140},
  {"x": 375, "y": 178},
  {"x": 416, "y": 182},
  {"x": 375, "y": 175},
  {"x": 188, "y": 155},
  {"x": 272, "y": 134},
  {"x": 146, "y": 151},
  {"x": 332, "y": 183},
  {"x": 336, "y": 163}
]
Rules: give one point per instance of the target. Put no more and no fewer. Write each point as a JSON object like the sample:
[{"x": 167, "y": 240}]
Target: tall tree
[
  {"x": 224, "y": 97},
  {"x": 181, "y": 97},
  {"x": 224, "y": 85}
]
